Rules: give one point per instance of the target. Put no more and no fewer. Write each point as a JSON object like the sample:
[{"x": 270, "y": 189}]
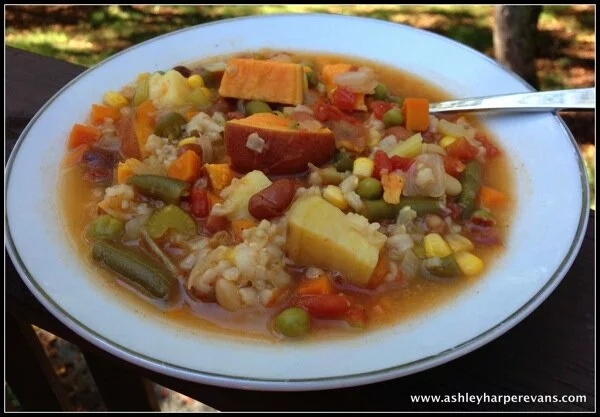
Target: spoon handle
[{"x": 576, "y": 99}]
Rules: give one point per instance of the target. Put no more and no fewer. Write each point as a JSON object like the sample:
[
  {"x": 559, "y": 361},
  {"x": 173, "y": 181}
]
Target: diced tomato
[
  {"x": 490, "y": 148},
  {"x": 453, "y": 166},
  {"x": 325, "y": 111},
  {"x": 324, "y": 306},
  {"x": 401, "y": 163},
  {"x": 462, "y": 149},
  {"x": 199, "y": 204},
  {"x": 215, "y": 224},
  {"x": 379, "y": 108},
  {"x": 356, "y": 316},
  {"x": 485, "y": 235},
  {"x": 382, "y": 161},
  {"x": 455, "y": 210},
  {"x": 343, "y": 99}
]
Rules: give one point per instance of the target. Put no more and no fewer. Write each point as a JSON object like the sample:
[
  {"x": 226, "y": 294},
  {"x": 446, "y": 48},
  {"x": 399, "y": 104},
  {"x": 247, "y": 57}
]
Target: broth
[{"x": 401, "y": 300}]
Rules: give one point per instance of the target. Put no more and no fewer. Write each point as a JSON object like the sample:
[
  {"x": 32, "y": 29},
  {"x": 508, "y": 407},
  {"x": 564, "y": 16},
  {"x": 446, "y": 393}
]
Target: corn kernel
[
  {"x": 114, "y": 99},
  {"x": 447, "y": 141},
  {"x": 468, "y": 263},
  {"x": 187, "y": 141},
  {"x": 363, "y": 167},
  {"x": 334, "y": 195},
  {"x": 195, "y": 81},
  {"x": 459, "y": 243},
  {"x": 436, "y": 246},
  {"x": 374, "y": 137}
]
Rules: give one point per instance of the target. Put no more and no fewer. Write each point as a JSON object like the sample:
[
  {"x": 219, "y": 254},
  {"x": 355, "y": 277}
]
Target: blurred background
[{"x": 552, "y": 47}]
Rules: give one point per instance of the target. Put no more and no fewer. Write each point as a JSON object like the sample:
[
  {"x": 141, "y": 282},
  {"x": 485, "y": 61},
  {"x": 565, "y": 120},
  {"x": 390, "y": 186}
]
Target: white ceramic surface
[{"x": 544, "y": 239}]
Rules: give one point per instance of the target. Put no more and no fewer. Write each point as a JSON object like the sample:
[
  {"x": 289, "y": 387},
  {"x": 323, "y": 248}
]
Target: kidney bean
[
  {"x": 273, "y": 200},
  {"x": 185, "y": 71},
  {"x": 215, "y": 224}
]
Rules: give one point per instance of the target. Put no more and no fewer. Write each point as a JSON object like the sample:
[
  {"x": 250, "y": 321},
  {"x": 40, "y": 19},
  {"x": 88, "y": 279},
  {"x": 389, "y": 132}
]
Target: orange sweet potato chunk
[
  {"x": 270, "y": 81},
  {"x": 286, "y": 150}
]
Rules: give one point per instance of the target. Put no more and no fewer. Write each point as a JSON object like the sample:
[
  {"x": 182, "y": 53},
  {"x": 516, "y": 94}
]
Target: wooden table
[{"x": 550, "y": 352}]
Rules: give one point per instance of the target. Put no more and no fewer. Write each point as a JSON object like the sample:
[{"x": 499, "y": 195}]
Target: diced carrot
[
  {"x": 81, "y": 135},
  {"x": 214, "y": 198},
  {"x": 392, "y": 184},
  {"x": 238, "y": 226},
  {"x": 126, "y": 169},
  {"x": 416, "y": 113},
  {"x": 379, "y": 272},
  {"x": 187, "y": 167},
  {"x": 101, "y": 113},
  {"x": 220, "y": 175},
  {"x": 75, "y": 155},
  {"x": 321, "y": 285},
  {"x": 462, "y": 149},
  {"x": 190, "y": 114},
  {"x": 490, "y": 197},
  {"x": 324, "y": 306},
  {"x": 144, "y": 123}
]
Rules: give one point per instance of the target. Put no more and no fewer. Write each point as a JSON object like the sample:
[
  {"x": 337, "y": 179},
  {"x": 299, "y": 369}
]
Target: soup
[{"x": 284, "y": 196}]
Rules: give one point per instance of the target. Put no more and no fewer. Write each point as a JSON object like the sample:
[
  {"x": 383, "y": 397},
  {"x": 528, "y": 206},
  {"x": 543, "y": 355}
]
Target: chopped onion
[
  {"x": 207, "y": 149},
  {"x": 310, "y": 125},
  {"x": 426, "y": 177},
  {"x": 361, "y": 81},
  {"x": 255, "y": 143},
  {"x": 216, "y": 66},
  {"x": 410, "y": 265}
]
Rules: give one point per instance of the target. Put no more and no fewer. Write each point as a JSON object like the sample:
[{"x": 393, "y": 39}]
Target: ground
[{"x": 86, "y": 35}]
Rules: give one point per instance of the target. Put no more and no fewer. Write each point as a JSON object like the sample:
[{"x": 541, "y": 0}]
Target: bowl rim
[{"x": 300, "y": 384}]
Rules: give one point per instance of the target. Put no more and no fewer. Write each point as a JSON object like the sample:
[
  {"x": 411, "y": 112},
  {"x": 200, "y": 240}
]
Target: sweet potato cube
[{"x": 271, "y": 81}]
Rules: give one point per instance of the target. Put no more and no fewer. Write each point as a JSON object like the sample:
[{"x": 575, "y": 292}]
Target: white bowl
[{"x": 551, "y": 214}]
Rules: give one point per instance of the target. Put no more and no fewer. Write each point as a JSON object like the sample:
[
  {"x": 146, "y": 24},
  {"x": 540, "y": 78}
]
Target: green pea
[
  {"x": 257, "y": 106},
  {"x": 393, "y": 117},
  {"x": 397, "y": 100},
  {"x": 343, "y": 161},
  {"x": 105, "y": 227},
  {"x": 369, "y": 188},
  {"x": 293, "y": 322},
  {"x": 169, "y": 126},
  {"x": 381, "y": 92}
]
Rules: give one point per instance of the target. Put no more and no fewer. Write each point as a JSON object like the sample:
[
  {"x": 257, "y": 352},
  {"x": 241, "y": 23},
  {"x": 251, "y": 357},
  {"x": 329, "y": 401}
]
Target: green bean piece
[
  {"x": 381, "y": 92},
  {"x": 105, "y": 227},
  {"x": 369, "y": 189},
  {"x": 330, "y": 175},
  {"x": 167, "y": 189},
  {"x": 471, "y": 183},
  {"x": 483, "y": 216},
  {"x": 447, "y": 268},
  {"x": 137, "y": 268},
  {"x": 169, "y": 126},
  {"x": 141, "y": 91},
  {"x": 313, "y": 78},
  {"x": 170, "y": 217},
  {"x": 393, "y": 117},
  {"x": 343, "y": 161},
  {"x": 293, "y": 322},
  {"x": 257, "y": 106},
  {"x": 376, "y": 210}
]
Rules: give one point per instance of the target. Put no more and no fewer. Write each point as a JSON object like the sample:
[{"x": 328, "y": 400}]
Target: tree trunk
[{"x": 515, "y": 33}]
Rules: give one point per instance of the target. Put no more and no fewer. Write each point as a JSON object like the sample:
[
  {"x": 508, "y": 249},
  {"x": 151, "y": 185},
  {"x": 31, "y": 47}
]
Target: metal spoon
[{"x": 577, "y": 99}]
